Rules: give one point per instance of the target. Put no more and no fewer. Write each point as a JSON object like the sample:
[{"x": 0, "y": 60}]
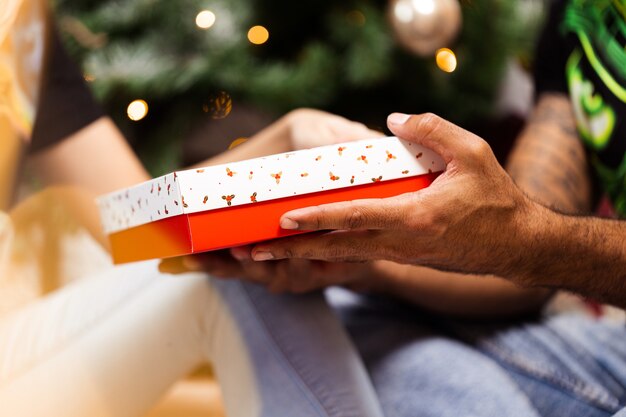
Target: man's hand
[
  {"x": 468, "y": 220},
  {"x": 299, "y": 129}
]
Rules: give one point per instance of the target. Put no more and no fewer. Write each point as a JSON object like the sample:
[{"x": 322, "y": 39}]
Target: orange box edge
[{"x": 240, "y": 225}]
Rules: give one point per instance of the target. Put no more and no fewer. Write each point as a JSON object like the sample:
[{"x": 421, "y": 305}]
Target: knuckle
[
  {"x": 280, "y": 250},
  {"x": 399, "y": 216},
  {"x": 423, "y": 223},
  {"x": 320, "y": 213},
  {"x": 478, "y": 149},
  {"x": 429, "y": 122},
  {"x": 342, "y": 249},
  {"x": 335, "y": 251},
  {"x": 355, "y": 219}
]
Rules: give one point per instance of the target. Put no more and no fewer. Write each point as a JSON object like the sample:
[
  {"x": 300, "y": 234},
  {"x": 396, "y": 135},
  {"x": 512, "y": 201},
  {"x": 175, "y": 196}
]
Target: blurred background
[{"x": 186, "y": 79}]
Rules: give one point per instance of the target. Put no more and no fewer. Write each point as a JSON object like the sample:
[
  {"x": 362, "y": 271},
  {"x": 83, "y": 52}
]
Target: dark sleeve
[
  {"x": 551, "y": 54},
  {"x": 65, "y": 102}
]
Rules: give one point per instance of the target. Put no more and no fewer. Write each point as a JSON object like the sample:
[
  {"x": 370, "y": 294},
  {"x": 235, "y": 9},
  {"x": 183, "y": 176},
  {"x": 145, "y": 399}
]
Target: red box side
[
  {"x": 236, "y": 226},
  {"x": 239, "y": 225}
]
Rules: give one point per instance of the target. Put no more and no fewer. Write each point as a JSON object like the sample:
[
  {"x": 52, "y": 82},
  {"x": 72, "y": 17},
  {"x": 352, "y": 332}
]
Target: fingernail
[
  {"x": 288, "y": 224},
  {"x": 239, "y": 254},
  {"x": 262, "y": 256},
  {"x": 397, "y": 118},
  {"x": 192, "y": 264}
]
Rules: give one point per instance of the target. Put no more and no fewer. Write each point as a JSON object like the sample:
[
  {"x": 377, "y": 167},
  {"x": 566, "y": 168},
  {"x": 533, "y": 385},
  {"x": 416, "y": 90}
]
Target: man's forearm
[
  {"x": 585, "y": 255},
  {"x": 549, "y": 162}
]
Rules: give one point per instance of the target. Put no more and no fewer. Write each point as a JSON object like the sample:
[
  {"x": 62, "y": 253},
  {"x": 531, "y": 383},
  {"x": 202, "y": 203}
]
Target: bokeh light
[
  {"x": 258, "y": 35},
  {"x": 403, "y": 12},
  {"x": 137, "y": 110},
  {"x": 424, "y": 6},
  {"x": 356, "y": 17},
  {"x": 237, "y": 142},
  {"x": 446, "y": 60},
  {"x": 205, "y": 19}
]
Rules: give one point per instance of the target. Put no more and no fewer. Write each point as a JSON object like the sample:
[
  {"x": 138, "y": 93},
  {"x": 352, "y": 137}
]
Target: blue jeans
[
  {"x": 303, "y": 362},
  {"x": 424, "y": 366}
]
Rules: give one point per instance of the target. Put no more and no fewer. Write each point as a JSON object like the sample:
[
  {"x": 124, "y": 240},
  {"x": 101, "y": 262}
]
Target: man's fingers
[
  {"x": 338, "y": 246},
  {"x": 447, "y": 139},
  {"x": 348, "y": 215}
]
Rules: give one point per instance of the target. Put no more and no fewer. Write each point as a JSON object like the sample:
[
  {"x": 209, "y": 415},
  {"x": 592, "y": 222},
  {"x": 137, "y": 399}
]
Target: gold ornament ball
[
  {"x": 424, "y": 26},
  {"x": 219, "y": 105}
]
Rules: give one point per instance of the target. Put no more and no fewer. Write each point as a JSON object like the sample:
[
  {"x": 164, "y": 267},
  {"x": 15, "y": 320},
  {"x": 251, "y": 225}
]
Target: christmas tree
[{"x": 194, "y": 59}]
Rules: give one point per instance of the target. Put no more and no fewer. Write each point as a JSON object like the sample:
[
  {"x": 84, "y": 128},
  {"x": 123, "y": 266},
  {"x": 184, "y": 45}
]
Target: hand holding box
[{"x": 239, "y": 203}]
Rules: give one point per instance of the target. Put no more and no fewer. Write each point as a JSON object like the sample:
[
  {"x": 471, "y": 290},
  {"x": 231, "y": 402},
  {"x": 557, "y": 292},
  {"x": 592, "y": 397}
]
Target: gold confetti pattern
[{"x": 267, "y": 178}]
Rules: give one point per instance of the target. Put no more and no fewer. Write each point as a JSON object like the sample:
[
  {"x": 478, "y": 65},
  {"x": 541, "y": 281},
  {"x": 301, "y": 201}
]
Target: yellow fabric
[
  {"x": 12, "y": 292},
  {"x": 7, "y": 16},
  {"x": 6, "y": 238},
  {"x": 48, "y": 240},
  {"x": 45, "y": 243},
  {"x": 27, "y": 269},
  {"x": 22, "y": 44}
]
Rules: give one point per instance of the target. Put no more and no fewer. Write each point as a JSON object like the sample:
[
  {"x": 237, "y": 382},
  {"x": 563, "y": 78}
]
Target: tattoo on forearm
[
  {"x": 555, "y": 114},
  {"x": 549, "y": 161}
]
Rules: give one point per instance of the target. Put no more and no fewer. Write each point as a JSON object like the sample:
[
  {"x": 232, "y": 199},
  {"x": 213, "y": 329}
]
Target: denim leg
[
  {"x": 304, "y": 363},
  {"x": 568, "y": 365},
  {"x": 564, "y": 366},
  {"x": 419, "y": 370}
]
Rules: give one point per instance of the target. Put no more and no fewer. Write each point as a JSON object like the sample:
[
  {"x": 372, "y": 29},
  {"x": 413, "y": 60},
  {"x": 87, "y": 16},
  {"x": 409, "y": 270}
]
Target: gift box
[{"x": 239, "y": 203}]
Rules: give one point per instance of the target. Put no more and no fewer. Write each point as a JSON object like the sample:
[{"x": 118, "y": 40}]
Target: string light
[
  {"x": 205, "y": 19},
  {"x": 258, "y": 35},
  {"x": 446, "y": 60},
  {"x": 137, "y": 110}
]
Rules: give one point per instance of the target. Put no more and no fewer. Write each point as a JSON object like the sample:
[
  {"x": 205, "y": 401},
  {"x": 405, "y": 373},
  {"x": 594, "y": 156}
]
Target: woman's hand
[
  {"x": 308, "y": 128},
  {"x": 293, "y": 275},
  {"x": 299, "y": 129}
]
